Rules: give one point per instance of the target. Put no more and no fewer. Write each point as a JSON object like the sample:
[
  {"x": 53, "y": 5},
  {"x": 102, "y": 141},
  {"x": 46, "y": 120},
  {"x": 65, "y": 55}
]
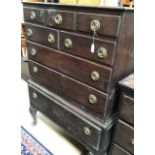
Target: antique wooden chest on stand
[
  {"x": 123, "y": 138},
  {"x": 77, "y": 54}
]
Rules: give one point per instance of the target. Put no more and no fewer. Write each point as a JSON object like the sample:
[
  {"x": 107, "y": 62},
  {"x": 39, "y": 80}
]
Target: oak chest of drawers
[
  {"x": 123, "y": 140},
  {"x": 72, "y": 83}
]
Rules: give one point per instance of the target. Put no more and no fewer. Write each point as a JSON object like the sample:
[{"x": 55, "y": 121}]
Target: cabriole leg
[{"x": 33, "y": 113}]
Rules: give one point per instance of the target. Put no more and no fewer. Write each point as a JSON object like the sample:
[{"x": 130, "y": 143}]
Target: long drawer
[
  {"x": 44, "y": 35},
  {"x": 80, "y": 45},
  {"x": 85, "y": 96},
  {"x": 127, "y": 109},
  {"x": 117, "y": 150},
  {"x": 79, "y": 127},
  {"x": 90, "y": 73},
  {"x": 124, "y": 136}
]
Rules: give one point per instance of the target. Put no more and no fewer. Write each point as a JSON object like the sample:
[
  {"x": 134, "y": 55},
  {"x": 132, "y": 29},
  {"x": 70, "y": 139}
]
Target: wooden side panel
[{"x": 124, "y": 60}]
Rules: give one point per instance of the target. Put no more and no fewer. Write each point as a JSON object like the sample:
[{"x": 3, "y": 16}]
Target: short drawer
[
  {"x": 127, "y": 109},
  {"x": 80, "y": 128},
  {"x": 124, "y": 136},
  {"x": 80, "y": 45},
  {"x": 117, "y": 150},
  {"x": 103, "y": 24},
  {"x": 90, "y": 73},
  {"x": 61, "y": 19},
  {"x": 42, "y": 35},
  {"x": 34, "y": 15},
  {"x": 73, "y": 91}
]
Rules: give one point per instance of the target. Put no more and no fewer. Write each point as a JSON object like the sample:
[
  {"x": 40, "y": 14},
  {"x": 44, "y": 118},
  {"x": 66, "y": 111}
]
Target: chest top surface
[{"x": 79, "y": 6}]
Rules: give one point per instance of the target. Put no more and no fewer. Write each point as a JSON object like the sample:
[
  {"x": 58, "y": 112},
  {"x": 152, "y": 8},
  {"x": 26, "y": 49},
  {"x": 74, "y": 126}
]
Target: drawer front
[
  {"x": 124, "y": 136},
  {"x": 34, "y": 15},
  {"x": 74, "y": 91},
  {"x": 42, "y": 35},
  {"x": 61, "y": 19},
  {"x": 81, "y": 46},
  {"x": 117, "y": 150},
  {"x": 102, "y": 24},
  {"x": 80, "y": 128},
  {"x": 127, "y": 109},
  {"x": 72, "y": 66}
]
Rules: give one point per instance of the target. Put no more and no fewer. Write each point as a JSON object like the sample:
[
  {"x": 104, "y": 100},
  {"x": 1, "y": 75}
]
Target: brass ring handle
[
  {"x": 132, "y": 141},
  {"x": 51, "y": 38},
  {"x": 92, "y": 99},
  {"x": 34, "y": 95},
  {"x": 33, "y": 52},
  {"x": 32, "y": 15},
  {"x": 90, "y": 153},
  {"x": 58, "y": 19},
  {"x": 87, "y": 131},
  {"x": 102, "y": 52},
  {"x": 68, "y": 43},
  {"x": 29, "y": 32},
  {"x": 95, "y": 75},
  {"x": 95, "y": 25},
  {"x": 35, "y": 69}
]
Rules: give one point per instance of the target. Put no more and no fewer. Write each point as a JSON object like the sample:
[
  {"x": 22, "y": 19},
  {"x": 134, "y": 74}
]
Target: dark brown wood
[
  {"x": 68, "y": 18},
  {"x": 71, "y": 122},
  {"x": 124, "y": 132},
  {"x": 117, "y": 150},
  {"x": 81, "y": 46},
  {"x": 66, "y": 73},
  {"x": 127, "y": 109},
  {"x": 40, "y": 35},
  {"x": 70, "y": 65},
  {"x": 68, "y": 87},
  {"x": 40, "y": 15},
  {"x": 127, "y": 85},
  {"x": 70, "y": 119},
  {"x": 124, "y": 135},
  {"x": 110, "y": 24}
]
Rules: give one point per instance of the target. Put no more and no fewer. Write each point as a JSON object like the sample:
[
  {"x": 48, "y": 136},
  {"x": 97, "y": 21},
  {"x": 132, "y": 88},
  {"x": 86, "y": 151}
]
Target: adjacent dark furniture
[
  {"x": 72, "y": 86},
  {"x": 123, "y": 139}
]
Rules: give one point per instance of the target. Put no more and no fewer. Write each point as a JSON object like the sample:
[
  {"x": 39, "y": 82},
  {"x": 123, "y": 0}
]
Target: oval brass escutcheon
[
  {"x": 102, "y": 52},
  {"x": 92, "y": 99},
  {"x": 33, "y": 52},
  {"x": 87, "y": 131},
  {"x": 29, "y": 32},
  {"x": 51, "y": 38},
  {"x": 35, "y": 69},
  {"x": 95, "y": 25},
  {"x": 32, "y": 15},
  {"x": 68, "y": 43},
  {"x": 34, "y": 95},
  {"x": 95, "y": 76},
  {"x": 58, "y": 19}
]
